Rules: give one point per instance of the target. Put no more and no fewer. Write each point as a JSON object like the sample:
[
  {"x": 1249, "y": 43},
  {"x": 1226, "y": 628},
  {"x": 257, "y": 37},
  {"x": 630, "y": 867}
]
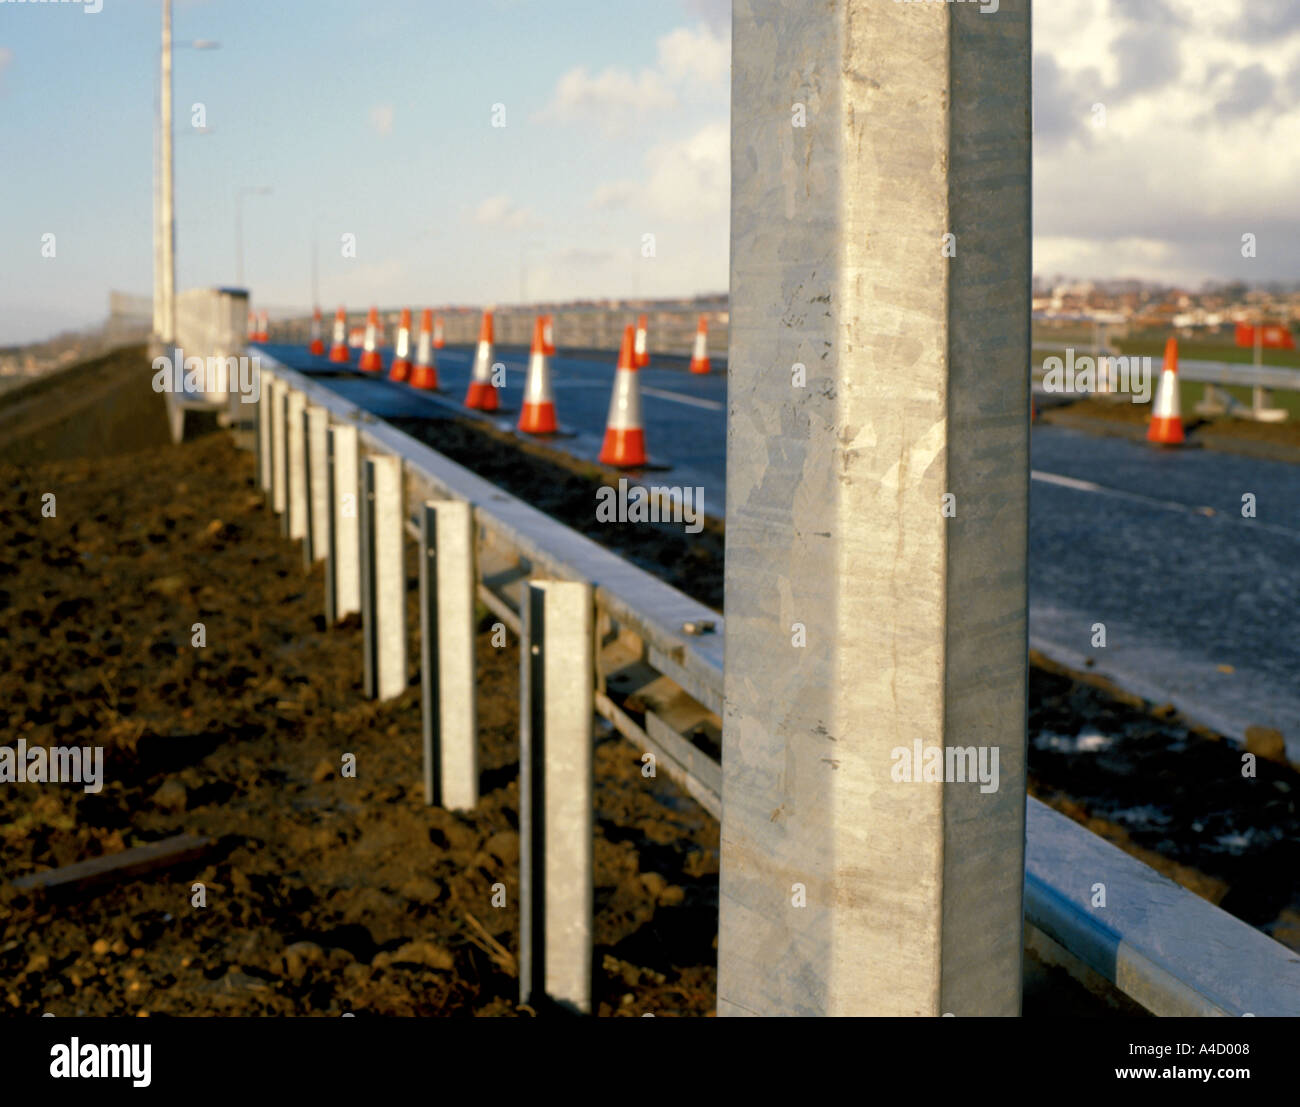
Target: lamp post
[{"x": 164, "y": 310}]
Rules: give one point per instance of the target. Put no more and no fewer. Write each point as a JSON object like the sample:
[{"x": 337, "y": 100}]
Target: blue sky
[{"x": 374, "y": 119}]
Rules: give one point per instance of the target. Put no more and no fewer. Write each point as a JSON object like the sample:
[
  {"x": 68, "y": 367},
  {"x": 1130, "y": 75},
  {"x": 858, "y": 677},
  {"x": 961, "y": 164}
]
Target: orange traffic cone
[
  {"x": 425, "y": 373},
  {"x": 700, "y": 356},
  {"x": 262, "y": 335},
  {"x": 538, "y": 414},
  {"x": 640, "y": 353},
  {"x": 370, "y": 361},
  {"x": 401, "y": 367},
  {"x": 624, "y": 433},
  {"x": 438, "y": 341},
  {"x": 482, "y": 394},
  {"x": 548, "y": 335},
  {"x": 317, "y": 346},
  {"x": 339, "y": 347},
  {"x": 1166, "y": 427}
]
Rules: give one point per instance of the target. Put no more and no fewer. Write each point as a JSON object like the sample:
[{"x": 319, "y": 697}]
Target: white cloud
[
  {"x": 716, "y": 13},
  {"x": 381, "y": 119},
  {"x": 1183, "y": 165},
  {"x": 695, "y": 54},
  {"x": 687, "y": 179},
  {"x": 691, "y": 178},
  {"x": 500, "y": 211},
  {"x": 613, "y": 96},
  {"x": 687, "y": 58}
]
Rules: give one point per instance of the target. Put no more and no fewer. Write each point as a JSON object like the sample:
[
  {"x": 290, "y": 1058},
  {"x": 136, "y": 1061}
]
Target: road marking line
[
  {"x": 677, "y": 397},
  {"x": 1137, "y": 497}
]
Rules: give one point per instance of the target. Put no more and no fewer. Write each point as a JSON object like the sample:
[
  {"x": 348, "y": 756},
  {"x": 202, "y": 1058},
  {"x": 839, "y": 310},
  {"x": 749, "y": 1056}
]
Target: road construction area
[
  {"x": 323, "y": 892},
  {"x": 1151, "y": 545}
]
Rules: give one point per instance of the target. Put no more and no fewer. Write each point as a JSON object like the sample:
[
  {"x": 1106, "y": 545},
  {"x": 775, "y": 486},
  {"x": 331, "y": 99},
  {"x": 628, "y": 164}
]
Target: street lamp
[
  {"x": 164, "y": 313},
  {"x": 240, "y": 193}
]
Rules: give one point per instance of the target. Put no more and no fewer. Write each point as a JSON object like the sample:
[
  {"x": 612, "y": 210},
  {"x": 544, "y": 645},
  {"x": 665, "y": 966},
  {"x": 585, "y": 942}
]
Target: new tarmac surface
[{"x": 1198, "y": 601}]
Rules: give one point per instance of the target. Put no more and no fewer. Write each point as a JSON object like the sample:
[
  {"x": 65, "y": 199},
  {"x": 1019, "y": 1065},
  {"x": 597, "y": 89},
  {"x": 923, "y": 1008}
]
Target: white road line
[
  {"x": 677, "y": 397},
  {"x": 1136, "y": 497}
]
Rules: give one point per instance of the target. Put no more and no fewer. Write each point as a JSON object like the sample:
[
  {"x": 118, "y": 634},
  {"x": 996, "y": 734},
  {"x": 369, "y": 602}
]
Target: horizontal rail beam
[{"x": 1167, "y": 948}]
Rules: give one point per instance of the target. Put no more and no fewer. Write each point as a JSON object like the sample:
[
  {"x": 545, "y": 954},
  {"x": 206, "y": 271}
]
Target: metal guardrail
[
  {"x": 660, "y": 686},
  {"x": 670, "y": 330},
  {"x": 1206, "y": 372},
  {"x": 645, "y": 652}
]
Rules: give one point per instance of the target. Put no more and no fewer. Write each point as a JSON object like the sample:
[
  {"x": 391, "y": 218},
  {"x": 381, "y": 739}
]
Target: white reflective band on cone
[
  {"x": 539, "y": 381},
  {"x": 483, "y": 362},
  {"x": 625, "y": 403}
]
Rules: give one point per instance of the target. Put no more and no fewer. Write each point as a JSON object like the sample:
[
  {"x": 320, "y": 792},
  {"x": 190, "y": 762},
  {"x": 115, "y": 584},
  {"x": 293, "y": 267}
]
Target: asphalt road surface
[{"x": 1201, "y": 605}]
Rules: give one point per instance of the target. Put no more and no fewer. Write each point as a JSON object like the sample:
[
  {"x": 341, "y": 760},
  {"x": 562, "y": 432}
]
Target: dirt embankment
[
  {"x": 324, "y": 893},
  {"x": 94, "y": 409}
]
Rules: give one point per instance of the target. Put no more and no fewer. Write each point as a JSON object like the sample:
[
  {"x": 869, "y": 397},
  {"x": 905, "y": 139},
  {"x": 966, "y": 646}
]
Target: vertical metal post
[
  {"x": 343, "y": 571},
  {"x": 369, "y": 623},
  {"x": 167, "y": 215},
  {"x": 295, "y": 445},
  {"x": 315, "y": 424},
  {"x": 332, "y": 533},
  {"x": 447, "y": 594},
  {"x": 430, "y": 716},
  {"x": 383, "y": 577},
  {"x": 264, "y": 421},
  {"x": 279, "y": 495},
  {"x": 555, "y": 795},
  {"x": 876, "y": 564}
]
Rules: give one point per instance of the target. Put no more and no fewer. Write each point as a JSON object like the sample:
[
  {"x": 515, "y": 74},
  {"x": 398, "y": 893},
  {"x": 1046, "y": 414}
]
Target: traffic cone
[
  {"x": 538, "y": 414},
  {"x": 339, "y": 347},
  {"x": 1166, "y": 427},
  {"x": 700, "y": 356},
  {"x": 624, "y": 433},
  {"x": 370, "y": 361},
  {"x": 482, "y": 394},
  {"x": 425, "y": 373},
  {"x": 262, "y": 335},
  {"x": 438, "y": 342},
  {"x": 640, "y": 353},
  {"x": 548, "y": 335},
  {"x": 400, "y": 370},
  {"x": 317, "y": 346}
]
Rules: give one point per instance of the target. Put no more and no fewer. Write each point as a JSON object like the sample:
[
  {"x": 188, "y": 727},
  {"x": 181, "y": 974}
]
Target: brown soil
[
  {"x": 326, "y": 894},
  {"x": 1278, "y": 441}
]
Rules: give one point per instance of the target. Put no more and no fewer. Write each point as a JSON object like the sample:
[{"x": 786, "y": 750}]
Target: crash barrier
[
  {"x": 600, "y": 636},
  {"x": 1262, "y": 380},
  {"x": 209, "y": 324},
  {"x": 670, "y": 329}
]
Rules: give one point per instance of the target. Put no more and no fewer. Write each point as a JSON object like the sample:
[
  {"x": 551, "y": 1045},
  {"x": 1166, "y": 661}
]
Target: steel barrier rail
[
  {"x": 670, "y": 333},
  {"x": 644, "y": 649},
  {"x": 1205, "y": 372},
  {"x": 1170, "y": 950}
]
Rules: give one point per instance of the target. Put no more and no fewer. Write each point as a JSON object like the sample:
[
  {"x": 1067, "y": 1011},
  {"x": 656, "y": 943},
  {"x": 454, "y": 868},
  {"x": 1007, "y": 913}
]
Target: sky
[{"x": 375, "y": 120}]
